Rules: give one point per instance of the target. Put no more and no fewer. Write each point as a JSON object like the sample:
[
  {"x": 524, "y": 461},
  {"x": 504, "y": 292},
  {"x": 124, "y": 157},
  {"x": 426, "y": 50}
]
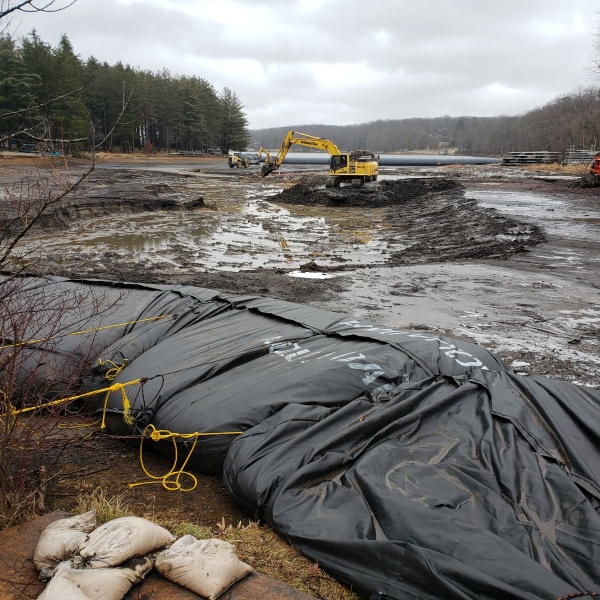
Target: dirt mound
[
  {"x": 311, "y": 191},
  {"x": 432, "y": 215},
  {"x": 447, "y": 227}
]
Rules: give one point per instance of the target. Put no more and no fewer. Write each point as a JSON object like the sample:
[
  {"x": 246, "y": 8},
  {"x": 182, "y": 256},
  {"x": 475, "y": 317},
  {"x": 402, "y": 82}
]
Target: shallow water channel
[{"x": 246, "y": 231}]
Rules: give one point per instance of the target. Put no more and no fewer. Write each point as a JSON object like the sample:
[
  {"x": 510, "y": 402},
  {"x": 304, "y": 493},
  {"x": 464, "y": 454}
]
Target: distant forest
[
  {"x": 570, "y": 120},
  {"x": 48, "y": 94}
]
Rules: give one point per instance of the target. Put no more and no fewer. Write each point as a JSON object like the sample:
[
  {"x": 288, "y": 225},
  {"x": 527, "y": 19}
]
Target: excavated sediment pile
[
  {"x": 311, "y": 191},
  {"x": 433, "y": 215}
]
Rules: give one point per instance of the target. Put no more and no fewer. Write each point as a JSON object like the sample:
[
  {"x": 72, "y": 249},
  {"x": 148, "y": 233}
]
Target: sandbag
[
  {"x": 61, "y": 539},
  {"x": 205, "y": 567},
  {"x": 121, "y": 539},
  {"x": 60, "y": 588},
  {"x": 111, "y": 583}
]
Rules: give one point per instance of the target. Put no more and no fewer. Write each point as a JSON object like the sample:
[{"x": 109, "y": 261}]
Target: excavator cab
[{"x": 338, "y": 162}]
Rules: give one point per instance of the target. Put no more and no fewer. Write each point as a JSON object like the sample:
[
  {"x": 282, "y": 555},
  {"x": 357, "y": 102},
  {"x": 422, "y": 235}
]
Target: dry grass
[
  {"x": 270, "y": 555},
  {"x": 254, "y": 543},
  {"x": 576, "y": 170},
  {"x": 105, "y": 507}
]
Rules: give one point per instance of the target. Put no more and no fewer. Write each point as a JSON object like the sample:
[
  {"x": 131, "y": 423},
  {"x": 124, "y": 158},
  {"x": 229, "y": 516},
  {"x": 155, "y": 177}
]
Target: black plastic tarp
[
  {"x": 408, "y": 465},
  {"x": 448, "y": 489},
  {"x": 228, "y": 370}
]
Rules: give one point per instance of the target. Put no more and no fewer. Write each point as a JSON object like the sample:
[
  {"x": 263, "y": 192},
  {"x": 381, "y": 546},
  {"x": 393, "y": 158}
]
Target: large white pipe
[{"x": 394, "y": 160}]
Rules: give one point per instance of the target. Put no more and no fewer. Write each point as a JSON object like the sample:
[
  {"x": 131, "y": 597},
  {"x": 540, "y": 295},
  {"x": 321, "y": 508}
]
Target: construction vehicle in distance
[
  {"x": 595, "y": 168},
  {"x": 262, "y": 151},
  {"x": 593, "y": 179},
  {"x": 357, "y": 167},
  {"x": 236, "y": 159}
]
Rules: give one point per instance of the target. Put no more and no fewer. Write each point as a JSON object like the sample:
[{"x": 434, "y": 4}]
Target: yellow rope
[
  {"x": 18, "y": 344},
  {"x": 80, "y": 425},
  {"x": 171, "y": 481},
  {"x": 116, "y": 369},
  {"x": 113, "y": 388}
]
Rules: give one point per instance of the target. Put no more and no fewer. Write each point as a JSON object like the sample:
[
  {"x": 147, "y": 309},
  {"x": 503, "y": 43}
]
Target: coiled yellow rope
[{"x": 172, "y": 480}]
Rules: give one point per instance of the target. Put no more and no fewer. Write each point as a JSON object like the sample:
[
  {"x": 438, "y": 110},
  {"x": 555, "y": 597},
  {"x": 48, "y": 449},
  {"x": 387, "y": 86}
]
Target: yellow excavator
[
  {"x": 358, "y": 167},
  {"x": 262, "y": 151}
]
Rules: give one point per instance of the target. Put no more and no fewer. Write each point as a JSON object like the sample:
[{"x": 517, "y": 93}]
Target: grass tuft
[{"x": 106, "y": 507}]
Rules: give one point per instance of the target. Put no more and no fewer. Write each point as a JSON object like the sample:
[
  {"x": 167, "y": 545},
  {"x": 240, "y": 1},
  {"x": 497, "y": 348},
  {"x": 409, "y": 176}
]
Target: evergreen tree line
[
  {"x": 49, "y": 94},
  {"x": 569, "y": 120}
]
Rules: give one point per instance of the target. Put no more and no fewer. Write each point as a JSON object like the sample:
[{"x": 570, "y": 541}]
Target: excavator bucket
[{"x": 267, "y": 169}]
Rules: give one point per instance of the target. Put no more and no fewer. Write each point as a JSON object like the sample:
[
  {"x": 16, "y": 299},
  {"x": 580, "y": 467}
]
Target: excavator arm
[
  {"x": 262, "y": 151},
  {"x": 301, "y": 139}
]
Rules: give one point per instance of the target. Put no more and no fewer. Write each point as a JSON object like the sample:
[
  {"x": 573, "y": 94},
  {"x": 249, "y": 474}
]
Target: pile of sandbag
[{"x": 81, "y": 561}]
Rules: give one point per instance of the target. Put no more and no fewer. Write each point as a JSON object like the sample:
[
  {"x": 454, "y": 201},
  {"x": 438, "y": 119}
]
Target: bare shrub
[{"x": 42, "y": 361}]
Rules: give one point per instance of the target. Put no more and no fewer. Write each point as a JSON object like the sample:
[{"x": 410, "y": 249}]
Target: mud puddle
[
  {"x": 255, "y": 225},
  {"x": 241, "y": 234}
]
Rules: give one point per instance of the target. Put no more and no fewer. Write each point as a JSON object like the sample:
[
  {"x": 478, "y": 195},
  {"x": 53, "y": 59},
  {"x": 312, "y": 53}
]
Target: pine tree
[
  {"x": 17, "y": 93},
  {"x": 37, "y": 58},
  {"x": 108, "y": 89},
  {"x": 234, "y": 126},
  {"x": 69, "y": 115}
]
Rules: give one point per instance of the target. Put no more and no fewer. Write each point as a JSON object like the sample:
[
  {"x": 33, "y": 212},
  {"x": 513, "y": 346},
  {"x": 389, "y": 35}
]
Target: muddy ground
[
  {"x": 503, "y": 256},
  {"x": 506, "y": 257}
]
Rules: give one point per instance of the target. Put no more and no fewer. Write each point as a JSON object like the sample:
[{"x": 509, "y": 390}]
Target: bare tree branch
[
  {"x": 42, "y": 104},
  {"x": 32, "y": 6}
]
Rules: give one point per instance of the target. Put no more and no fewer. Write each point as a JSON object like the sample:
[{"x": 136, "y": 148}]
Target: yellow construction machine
[
  {"x": 262, "y": 151},
  {"x": 236, "y": 159},
  {"x": 358, "y": 167}
]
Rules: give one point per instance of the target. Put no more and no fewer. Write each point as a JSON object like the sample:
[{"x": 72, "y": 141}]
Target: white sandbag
[
  {"x": 61, "y": 539},
  {"x": 206, "y": 567},
  {"x": 60, "y": 588},
  {"x": 121, "y": 539},
  {"x": 111, "y": 583}
]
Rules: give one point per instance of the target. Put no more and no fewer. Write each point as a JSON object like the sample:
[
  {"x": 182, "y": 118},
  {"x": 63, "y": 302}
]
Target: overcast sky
[{"x": 295, "y": 62}]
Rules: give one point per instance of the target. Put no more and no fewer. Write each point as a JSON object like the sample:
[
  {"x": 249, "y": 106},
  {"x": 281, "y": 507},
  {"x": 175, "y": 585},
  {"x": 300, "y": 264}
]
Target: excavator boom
[{"x": 301, "y": 139}]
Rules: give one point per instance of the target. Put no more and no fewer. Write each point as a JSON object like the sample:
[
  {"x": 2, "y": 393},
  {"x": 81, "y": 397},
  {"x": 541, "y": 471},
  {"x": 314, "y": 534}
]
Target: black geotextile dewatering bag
[
  {"x": 406, "y": 464},
  {"x": 226, "y": 370}
]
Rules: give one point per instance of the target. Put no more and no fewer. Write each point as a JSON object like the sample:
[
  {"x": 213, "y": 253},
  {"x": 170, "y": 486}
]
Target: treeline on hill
[
  {"x": 570, "y": 120},
  {"x": 50, "y": 95}
]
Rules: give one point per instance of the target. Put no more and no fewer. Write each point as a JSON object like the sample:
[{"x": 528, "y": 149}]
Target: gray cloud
[{"x": 344, "y": 61}]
